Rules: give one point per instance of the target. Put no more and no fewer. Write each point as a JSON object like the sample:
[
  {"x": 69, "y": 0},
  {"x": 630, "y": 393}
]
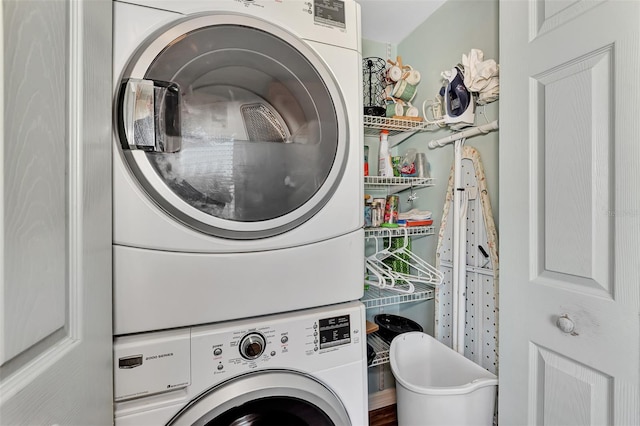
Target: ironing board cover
[{"x": 481, "y": 329}]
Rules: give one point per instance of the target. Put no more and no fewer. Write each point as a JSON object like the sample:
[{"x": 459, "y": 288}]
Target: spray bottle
[{"x": 385, "y": 167}]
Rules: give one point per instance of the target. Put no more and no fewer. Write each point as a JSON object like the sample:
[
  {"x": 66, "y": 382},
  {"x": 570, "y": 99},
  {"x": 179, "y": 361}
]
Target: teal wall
[
  {"x": 373, "y": 48},
  {"x": 437, "y": 45}
]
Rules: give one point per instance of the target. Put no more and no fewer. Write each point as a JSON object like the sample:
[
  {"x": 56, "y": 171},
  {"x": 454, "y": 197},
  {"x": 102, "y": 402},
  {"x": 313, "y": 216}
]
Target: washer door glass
[
  {"x": 268, "y": 397},
  {"x": 273, "y": 411},
  {"x": 233, "y": 126}
]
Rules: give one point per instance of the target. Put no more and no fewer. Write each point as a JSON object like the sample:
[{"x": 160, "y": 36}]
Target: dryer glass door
[{"x": 233, "y": 126}]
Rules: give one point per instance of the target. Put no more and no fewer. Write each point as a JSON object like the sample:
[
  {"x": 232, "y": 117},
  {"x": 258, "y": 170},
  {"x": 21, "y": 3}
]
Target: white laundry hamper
[{"x": 435, "y": 385}]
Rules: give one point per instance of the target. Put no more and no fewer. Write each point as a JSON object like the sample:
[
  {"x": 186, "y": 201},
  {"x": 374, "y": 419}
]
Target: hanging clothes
[{"x": 481, "y": 77}]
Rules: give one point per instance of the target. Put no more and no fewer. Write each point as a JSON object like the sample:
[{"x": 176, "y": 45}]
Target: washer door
[
  {"x": 266, "y": 398},
  {"x": 232, "y": 126}
]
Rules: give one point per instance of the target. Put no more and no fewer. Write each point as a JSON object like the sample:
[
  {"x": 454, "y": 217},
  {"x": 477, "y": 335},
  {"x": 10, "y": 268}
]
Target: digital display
[
  {"x": 329, "y": 12},
  {"x": 334, "y": 331}
]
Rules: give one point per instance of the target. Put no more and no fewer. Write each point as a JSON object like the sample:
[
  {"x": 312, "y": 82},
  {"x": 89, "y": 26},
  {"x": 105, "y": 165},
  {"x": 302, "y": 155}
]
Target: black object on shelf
[
  {"x": 371, "y": 354},
  {"x": 393, "y": 325},
  {"x": 373, "y": 86}
]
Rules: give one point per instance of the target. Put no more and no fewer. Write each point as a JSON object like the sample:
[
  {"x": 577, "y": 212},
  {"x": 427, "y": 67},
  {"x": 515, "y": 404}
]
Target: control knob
[{"x": 252, "y": 346}]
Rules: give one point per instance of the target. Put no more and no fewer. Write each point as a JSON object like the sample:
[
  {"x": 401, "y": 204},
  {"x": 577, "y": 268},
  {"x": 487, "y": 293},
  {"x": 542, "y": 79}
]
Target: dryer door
[
  {"x": 232, "y": 126},
  {"x": 266, "y": 398}
]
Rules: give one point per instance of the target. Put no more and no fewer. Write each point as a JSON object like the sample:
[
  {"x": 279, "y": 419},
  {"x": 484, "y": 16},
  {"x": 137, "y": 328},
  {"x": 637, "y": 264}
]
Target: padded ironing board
[{"x": 481, "y": 329}]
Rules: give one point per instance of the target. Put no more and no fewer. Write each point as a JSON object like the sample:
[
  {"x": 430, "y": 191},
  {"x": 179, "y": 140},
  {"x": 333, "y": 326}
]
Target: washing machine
[
  {"x": 238, "y": 159},
  {"x": 294, "y": 368}
]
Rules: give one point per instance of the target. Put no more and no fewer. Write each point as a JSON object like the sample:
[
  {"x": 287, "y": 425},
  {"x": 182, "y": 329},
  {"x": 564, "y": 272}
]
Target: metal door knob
[{"x": 565, "y": 324}]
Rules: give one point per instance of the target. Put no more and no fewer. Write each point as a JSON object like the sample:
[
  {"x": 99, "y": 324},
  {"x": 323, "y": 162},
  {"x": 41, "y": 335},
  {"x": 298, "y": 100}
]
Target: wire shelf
[
  {"x": 399, "y": 232},
  {"x": 397, "y": 182},
  {"x": 373, "y": 125},
  {"x": 380, "y": 347},
  {"x": 376, "y": 297}
]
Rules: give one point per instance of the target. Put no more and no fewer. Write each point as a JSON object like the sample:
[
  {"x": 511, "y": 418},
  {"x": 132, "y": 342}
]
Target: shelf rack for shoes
[{"x": 381, "y": 347}]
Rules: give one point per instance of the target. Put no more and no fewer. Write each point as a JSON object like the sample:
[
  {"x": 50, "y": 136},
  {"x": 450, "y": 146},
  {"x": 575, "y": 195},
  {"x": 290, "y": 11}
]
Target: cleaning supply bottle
[{"x": 385, "y": 167}]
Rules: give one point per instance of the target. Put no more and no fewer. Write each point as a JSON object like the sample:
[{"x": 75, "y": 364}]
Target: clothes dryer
[
  {"x": 238, "y": 159},
  {"x": 296, "y": 368}
]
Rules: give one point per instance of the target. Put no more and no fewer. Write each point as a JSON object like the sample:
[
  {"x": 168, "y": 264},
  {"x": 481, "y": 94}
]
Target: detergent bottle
[{"x": 385, "y": 167}]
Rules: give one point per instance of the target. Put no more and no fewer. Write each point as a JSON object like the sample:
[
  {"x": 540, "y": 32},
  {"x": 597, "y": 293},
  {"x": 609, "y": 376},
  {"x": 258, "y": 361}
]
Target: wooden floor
[{"x": 385, "y": 416}]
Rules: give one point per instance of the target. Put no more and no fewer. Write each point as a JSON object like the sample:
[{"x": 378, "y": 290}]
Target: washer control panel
[
  {"x": 334, "y": 331},
  {"x": 151, "y": 363},
  {"x": 198, "y": 358},
  {"x": 252, "y": 346},
  {"x": 310, "y": 340}
]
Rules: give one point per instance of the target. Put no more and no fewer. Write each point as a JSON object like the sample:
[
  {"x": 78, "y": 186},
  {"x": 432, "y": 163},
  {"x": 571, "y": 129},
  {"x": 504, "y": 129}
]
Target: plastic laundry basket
[{"x": 435, "y": 385}]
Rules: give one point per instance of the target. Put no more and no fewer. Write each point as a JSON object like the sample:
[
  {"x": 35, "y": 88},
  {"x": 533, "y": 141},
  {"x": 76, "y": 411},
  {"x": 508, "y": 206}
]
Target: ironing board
[{"x": 481, "y": 317}]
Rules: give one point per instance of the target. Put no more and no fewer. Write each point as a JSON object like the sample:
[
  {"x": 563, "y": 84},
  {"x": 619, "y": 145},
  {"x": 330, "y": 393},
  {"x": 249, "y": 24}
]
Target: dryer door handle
[{"x": 149, "y": 115}]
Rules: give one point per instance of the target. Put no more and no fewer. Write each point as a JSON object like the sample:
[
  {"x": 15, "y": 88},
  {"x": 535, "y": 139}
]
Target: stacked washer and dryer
[{"x": 238, "y": 213}]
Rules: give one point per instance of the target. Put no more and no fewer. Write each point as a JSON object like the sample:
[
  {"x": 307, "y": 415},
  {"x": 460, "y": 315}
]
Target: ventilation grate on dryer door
[{"x": 263, "y": 123}]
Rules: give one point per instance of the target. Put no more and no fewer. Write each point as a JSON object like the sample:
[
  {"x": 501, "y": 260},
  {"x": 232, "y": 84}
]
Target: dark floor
[{"x": 385, "y": 416}]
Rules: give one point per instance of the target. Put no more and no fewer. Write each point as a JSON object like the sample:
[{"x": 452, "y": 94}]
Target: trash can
[{"x": 435, "y": 385}]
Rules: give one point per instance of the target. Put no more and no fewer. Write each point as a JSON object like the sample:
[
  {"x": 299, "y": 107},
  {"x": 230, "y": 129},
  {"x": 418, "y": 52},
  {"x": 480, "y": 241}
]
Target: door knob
[{"x": 566, "y": 325}]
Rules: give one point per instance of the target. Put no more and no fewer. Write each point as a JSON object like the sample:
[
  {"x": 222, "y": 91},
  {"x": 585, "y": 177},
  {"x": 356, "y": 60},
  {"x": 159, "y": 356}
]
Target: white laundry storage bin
[{"x": 435, "y": 385}]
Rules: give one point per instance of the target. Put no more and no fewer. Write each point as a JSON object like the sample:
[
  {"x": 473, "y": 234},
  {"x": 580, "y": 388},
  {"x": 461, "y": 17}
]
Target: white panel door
[
  {"x": 570, "y": 203},
  {"x": 55, "y": 213}
]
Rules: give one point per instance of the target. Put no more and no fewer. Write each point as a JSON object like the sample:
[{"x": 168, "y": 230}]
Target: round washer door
[
  {"x": 265, "y": 398},
  {"x": 232, "y": 126}
]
